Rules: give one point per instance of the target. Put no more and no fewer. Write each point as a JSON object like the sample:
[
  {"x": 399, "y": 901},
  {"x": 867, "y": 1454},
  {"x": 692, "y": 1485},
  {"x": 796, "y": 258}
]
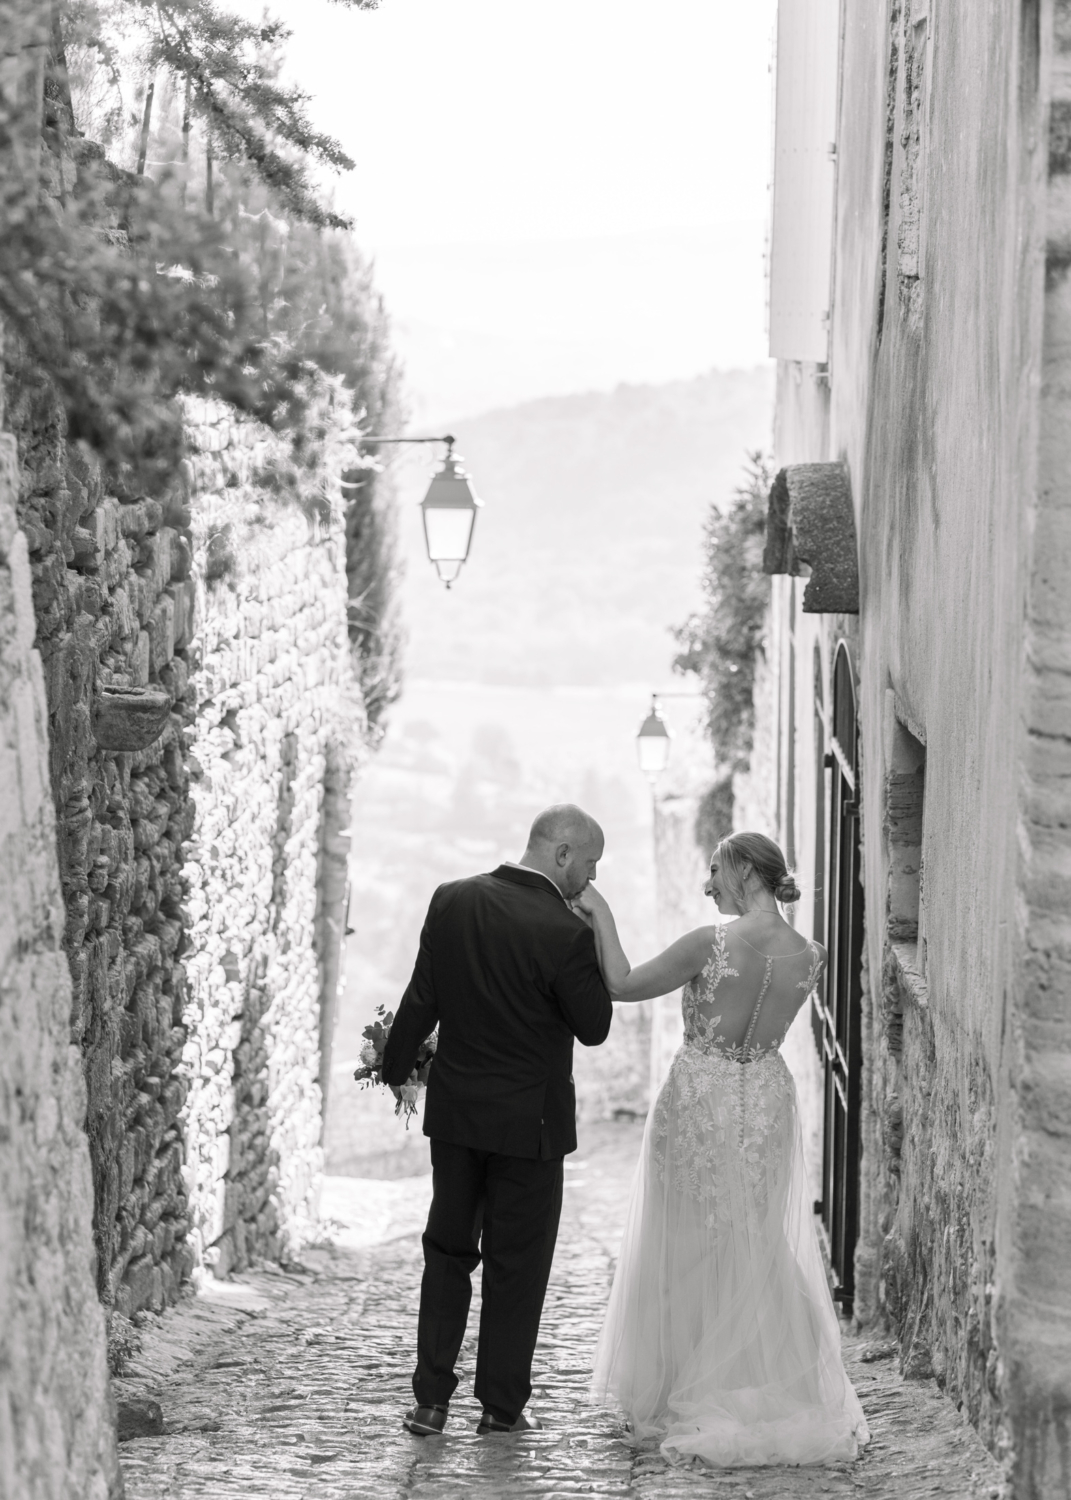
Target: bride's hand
[{"x": 589, "y": 902}]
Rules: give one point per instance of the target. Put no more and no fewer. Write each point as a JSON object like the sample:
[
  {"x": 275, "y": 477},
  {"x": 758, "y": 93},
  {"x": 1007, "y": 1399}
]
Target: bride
[{"x": 720, "y": 1336}]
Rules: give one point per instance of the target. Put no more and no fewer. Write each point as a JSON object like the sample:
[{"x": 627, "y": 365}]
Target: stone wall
[
  {"x": 1033, "y": 1315},
  {"x": 946, "y": 396},
  {"x": 114, "y": 603},
  {"x": 155, "y": 944},
  {"x": 276, "y": 718},
  {"x": 56, "y": 1431},
  {"x": 200, "y": 699}
]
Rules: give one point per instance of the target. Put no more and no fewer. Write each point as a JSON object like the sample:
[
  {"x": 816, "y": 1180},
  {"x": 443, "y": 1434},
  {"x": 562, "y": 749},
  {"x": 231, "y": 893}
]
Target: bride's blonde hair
[{"x": 764, "y": 857}]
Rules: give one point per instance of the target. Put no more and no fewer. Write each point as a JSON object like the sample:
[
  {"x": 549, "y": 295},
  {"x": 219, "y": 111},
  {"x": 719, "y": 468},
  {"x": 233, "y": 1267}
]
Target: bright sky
[{"x": 558, "y": 196}]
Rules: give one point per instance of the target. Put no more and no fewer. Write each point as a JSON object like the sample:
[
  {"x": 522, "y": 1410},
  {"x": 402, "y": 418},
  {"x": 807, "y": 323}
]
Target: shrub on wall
[
  {"x": 168, "y": 243},
  {"x": 722, "y": 640},
  {"x": 165, "y": 238},
  {"x": 714, "y": 816}
]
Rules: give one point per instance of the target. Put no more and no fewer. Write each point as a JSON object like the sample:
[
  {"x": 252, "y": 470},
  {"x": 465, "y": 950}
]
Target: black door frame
[{"x": 839, "y": 1007}]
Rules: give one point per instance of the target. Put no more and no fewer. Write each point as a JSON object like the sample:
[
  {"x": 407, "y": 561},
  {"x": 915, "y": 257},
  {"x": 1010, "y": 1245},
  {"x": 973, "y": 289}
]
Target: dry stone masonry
[
  {"x": 202, "y": 717},
  {"x": 56, "y": 1433},
  {"x": 114, "y": 602},
  {"x": 275, "y": 704}
]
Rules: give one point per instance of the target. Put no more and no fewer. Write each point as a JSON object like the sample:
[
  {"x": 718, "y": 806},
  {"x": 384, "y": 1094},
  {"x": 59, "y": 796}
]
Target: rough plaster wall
[
  {"x": 1034, "y": 1317},
  {"x": 939, "y": 1173},
  {"x": 274, "y": 696},
  {"x": 940, "y": 470},
  {"x": 56, "y": 1432},
  {"x": 932, "y": 411},
  {"x": 966, "y": 1198}
]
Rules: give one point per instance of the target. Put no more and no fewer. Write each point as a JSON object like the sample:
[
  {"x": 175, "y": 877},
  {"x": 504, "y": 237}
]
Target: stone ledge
[
  {"x": 130, "y": 718},
  {"x": 906, "y": 961}
]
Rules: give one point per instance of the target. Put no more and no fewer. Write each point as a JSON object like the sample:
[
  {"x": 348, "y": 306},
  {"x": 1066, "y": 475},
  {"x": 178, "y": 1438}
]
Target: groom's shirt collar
[{"x": 511, "y": 864}]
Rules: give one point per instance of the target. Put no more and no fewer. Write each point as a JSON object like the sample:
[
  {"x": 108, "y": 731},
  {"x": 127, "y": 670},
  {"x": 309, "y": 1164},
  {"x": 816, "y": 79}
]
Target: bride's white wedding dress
[{"x": 720, "y": 1336}]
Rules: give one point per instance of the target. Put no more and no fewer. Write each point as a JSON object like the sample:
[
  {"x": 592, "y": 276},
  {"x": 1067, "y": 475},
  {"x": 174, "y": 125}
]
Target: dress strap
[{"x": 758, "y": 1003}]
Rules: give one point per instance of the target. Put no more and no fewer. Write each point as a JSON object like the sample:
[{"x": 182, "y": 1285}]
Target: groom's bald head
[
  {"x": 566, "y": 844},
  {"x": 564, "y": 823}
]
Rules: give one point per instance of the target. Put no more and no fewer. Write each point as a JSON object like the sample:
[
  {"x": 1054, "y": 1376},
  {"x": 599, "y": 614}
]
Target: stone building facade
[
  {"x": 913, "y": 747},
  {"x": 57, "y": 1433},
  {"x": 56, "y": 1429}
]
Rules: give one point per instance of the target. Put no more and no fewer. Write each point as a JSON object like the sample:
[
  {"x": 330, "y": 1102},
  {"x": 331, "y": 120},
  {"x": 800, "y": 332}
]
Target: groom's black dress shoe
[
  {"x": 425, "y": 1421},
  {"x": 489, "y": 1424}
]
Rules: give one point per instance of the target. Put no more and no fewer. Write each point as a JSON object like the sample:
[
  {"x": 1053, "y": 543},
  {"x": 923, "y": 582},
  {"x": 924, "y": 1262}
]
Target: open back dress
[{"x": 720, "y": 1338}]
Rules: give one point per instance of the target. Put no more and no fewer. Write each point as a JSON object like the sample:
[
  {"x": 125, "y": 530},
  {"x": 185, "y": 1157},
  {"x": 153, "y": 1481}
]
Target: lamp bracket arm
[{"x": 447, "y": 438}]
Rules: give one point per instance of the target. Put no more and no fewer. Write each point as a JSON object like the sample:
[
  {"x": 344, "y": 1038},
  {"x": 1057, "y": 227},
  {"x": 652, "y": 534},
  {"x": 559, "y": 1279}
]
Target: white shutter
[{"x": 801, "y": 233}]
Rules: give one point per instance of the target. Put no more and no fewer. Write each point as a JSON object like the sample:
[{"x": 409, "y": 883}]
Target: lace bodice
[{"x": 702, "y": 1014}]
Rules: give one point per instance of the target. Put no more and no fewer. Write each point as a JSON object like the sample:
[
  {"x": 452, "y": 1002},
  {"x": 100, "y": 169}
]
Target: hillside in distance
[{"x": 588, "y": 548}]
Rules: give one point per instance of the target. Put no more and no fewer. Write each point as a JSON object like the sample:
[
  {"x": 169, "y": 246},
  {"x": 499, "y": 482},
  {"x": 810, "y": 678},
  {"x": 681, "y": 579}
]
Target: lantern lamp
[
  {"x": 449, "y": 509},
  {"x": 652, "y": 743}
]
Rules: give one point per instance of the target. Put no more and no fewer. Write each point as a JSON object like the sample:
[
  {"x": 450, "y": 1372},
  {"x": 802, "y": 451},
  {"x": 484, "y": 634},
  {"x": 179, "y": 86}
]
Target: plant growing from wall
[
  {"x": 721, "y": 642},
  {"x": 206, "y": 265},
  {"x": 120, "y": 288}
]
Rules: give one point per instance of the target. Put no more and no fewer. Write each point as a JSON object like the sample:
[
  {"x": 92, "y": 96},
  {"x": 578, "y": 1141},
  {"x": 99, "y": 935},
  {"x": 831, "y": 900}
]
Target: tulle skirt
[{"x": 720, "y": 1338}]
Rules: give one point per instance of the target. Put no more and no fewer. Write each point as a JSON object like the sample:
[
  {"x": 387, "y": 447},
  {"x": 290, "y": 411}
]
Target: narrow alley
[{"x": 291, "y": 1382}]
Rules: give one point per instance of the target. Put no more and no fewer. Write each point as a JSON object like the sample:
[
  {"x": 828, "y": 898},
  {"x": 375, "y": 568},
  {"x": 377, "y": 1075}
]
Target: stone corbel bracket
[
  {"x": 130, "y": 718},
  {"x": 811, "y": 521}
]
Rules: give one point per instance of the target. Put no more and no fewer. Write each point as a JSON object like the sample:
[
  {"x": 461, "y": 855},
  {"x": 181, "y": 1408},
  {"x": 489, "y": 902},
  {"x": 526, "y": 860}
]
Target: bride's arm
[{"x": 679, "y": 962}]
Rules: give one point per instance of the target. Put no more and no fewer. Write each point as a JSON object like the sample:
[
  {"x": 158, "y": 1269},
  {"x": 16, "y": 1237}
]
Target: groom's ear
[{"x": 561, "y": 854}]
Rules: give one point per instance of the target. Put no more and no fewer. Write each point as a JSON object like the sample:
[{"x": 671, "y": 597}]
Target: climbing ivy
[{"x": 722, "y": 641}]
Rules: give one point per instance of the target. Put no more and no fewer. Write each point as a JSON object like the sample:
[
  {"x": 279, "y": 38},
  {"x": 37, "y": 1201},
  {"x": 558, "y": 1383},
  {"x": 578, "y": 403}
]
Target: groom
[{"x": 509, "y": 973}]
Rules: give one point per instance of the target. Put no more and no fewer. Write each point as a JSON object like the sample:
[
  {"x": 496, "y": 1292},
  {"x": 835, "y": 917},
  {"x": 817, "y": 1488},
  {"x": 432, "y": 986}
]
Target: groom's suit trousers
[{"x": 503, "y": 1210}]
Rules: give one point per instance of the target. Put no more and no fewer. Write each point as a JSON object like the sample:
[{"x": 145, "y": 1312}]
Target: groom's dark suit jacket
[{"x": 510, "y": 975}]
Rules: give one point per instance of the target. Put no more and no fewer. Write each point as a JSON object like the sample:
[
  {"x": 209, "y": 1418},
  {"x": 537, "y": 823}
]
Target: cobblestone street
[{"x": 292, "y": 1384}]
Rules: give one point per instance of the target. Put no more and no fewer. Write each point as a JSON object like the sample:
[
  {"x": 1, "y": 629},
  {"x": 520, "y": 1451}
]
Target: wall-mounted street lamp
[
  {"x": 449, "y": 509},
  {"x": 653, "y": 743},
  {"x": 654, "y": 740}
]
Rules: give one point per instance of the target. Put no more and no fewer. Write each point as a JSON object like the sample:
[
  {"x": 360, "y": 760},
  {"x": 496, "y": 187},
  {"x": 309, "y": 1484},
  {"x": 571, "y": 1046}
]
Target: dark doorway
[{"x": 840, "y": 1007}]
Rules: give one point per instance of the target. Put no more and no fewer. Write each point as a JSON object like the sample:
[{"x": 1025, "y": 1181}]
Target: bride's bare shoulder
[
  {"x": 701, "y": 941},
  {"x": 706, "y": 937}
]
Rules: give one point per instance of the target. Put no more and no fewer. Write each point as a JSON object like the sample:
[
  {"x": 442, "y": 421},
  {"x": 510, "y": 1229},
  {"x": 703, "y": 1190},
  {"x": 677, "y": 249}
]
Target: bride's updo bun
[{"x": 764, "y": 857}]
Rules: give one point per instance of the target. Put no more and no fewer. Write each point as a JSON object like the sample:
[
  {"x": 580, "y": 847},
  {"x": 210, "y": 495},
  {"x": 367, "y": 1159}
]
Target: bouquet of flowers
[{"x": 371, "y": 1070}]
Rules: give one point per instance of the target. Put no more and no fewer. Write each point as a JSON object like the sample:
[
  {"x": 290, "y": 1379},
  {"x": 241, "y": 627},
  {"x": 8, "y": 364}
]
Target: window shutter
[{"x": 801, "y": 235}]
